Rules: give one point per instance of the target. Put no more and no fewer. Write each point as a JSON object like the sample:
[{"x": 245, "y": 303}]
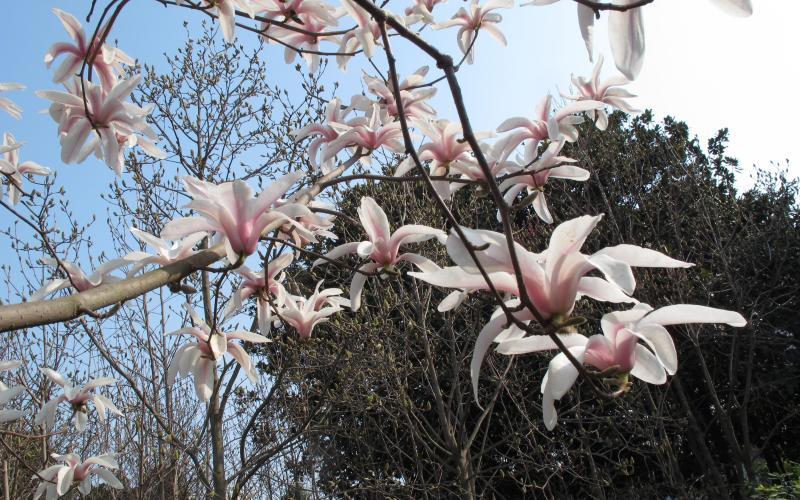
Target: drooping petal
[
  {"x": 560, "y": 377},
  {"x": 357, "y": 285},
  {"x": 626, "y": 36},
  {"x": 586, "y": 22}
]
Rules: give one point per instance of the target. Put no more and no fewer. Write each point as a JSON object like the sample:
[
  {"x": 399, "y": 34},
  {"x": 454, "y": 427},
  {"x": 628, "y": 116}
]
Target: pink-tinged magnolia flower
[
  {"x": 290, "y": 10},
  {"x": 478, "y": 18},
  {"x": 9, "y": 393},
  {"x": 560, "y": 125},
  {"x": 446, "y": 149},
  {"x": 609, "y": 92},
  {"x": 57, "y": 479},
  {"x": 553, "y": 280},
  {"x": 8, "y": 105},
  {"x": 626, "y": 30},
  {"x": 225, "y": 10},
  {"x": 470, "y": 169},
  {"x": 313, "y": 224},
  {"x": 77, "y": 278},
  {"x": 366, "y": 36},
  {"x": 165, "y": 253},
  {"x": 423, "y": 10},
  {"x": 370, "y": 136},
  {"x": 303, "y": 314},
  {"x": 383, "y": 247},
  {"x": 254, "y": 285},
  {"x": 108, "y": 60},
  {"x": 200, "y": 357},
  {"x": 233, "y": 212},
  {"x": 307, "y": 42},
  {"x": 618, "y": 351},
  {"x": 78, "y": 398},
  {"x": 537, "y": 173},
  {"x": 334, "y": 114},
  {"x": 414, "y": 99},
  {"x": 14, "y": 170},
  {"x": 110, "y": 125}
]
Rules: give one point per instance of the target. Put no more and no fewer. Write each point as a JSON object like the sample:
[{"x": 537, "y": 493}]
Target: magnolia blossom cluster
[
  {"x": 95, "y": 118},
  {"x": 58, "y": 479},
  {"x": 14, "y": 171},
  {"x": 552, "y": 282},
  {"x": 514, "y": 158},
  {"x": 77, "y": 397}
]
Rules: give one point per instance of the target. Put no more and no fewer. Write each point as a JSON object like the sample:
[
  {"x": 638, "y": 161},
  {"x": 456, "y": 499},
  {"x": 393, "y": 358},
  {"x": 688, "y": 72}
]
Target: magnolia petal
[
  {"x": 586, "y": 22},
  {"x": 108, "y": 478},
  {"x": 647, "y": 367},
  {"x": 457, "y": 277},
  {"x": 660, "y": 341},
  {"x": 689, "y": 313},
  {"x": 357, "y": 285},
  {"x": 178, "y": 228},
  {"x": 64, "y": 479},
  {"x": 415, "y": 233},
  {"x": 107, "y": 403},
  {"x": 108, "y": 460},
  {"x": 453, "y": 300},
  {"x": 485, "y": 338},
  {"x": 423, "y": 263},
  {"x": 204, "y": 378},
  {"x": 560, "y": 377},
  {"x": 600, "y": 289},
  {"x": 218, "y": 344},
  {"x": 541, "y": 209},
  {"x": 537, "y": 343},
  {"x": 81, "y": 419},
  {"x": 562, "y": 374},
  {"x": 244, "y": 361},
  {"x": 374, "y": 220},
  {"x": 339, "y": 251},
  {"x": 53, "y": 375},
  {"x": 7, "y": 395},
  {"x": 626, "y": 36},
  {"x": 637, "y": 256},
  {"x": 10, "y": 365},
  {"x": 86, "y": 485},
  {"x": 247, "y": 336},
  {"x": 617, "y": 272},
  {"x": 10, "y": 415}
]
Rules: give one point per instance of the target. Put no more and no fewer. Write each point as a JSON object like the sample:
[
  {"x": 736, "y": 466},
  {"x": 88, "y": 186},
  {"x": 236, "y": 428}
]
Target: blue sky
[{"x": 701, "y": 66}]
